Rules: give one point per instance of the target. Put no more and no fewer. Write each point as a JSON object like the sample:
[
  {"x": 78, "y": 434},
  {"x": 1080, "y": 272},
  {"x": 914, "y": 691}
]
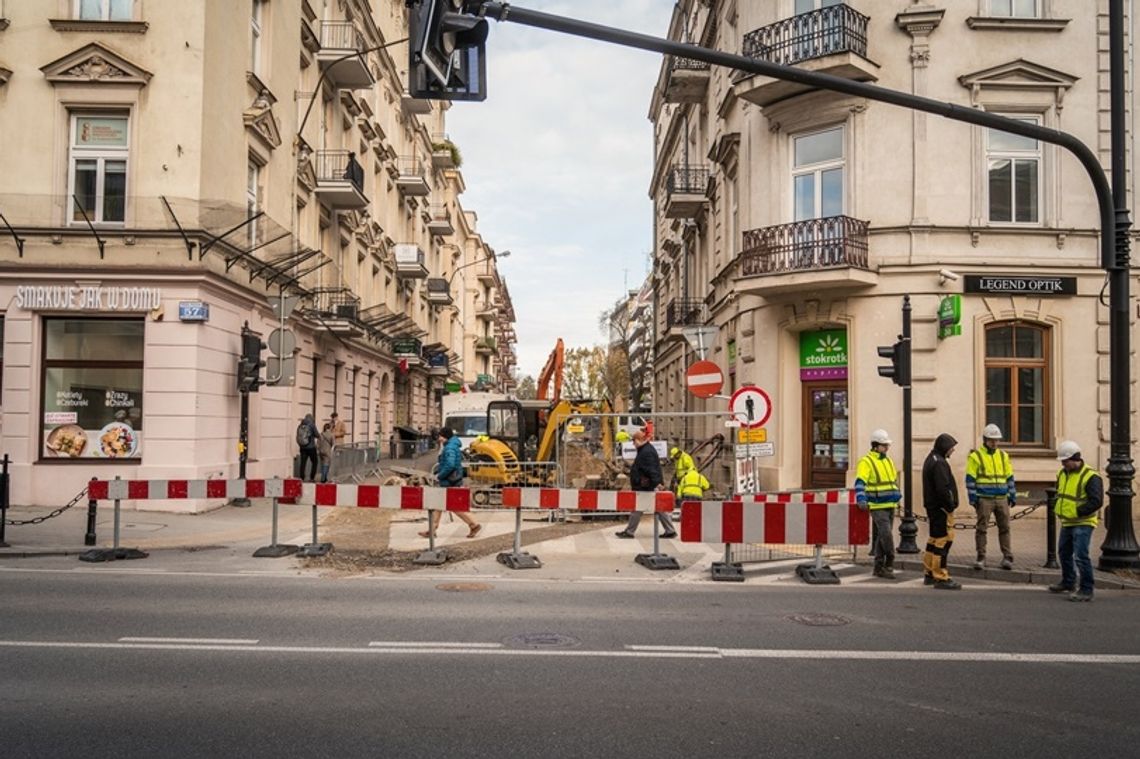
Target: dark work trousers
[
  {"x": 309, "y": 454},
  {"x": 882, "y": 520},
  {"x": 938, "y": 544}
]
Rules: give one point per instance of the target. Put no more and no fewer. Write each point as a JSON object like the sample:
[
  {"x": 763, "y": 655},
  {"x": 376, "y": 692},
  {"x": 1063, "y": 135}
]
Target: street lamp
[{"x": 491, "y": 257}]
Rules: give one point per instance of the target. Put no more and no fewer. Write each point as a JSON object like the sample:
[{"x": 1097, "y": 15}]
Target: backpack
[{"x": 304, "y": 435}]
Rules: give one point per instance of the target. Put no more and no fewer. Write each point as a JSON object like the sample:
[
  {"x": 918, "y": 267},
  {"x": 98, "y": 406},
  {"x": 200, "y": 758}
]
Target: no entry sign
[{"x": 704, "y": 379}]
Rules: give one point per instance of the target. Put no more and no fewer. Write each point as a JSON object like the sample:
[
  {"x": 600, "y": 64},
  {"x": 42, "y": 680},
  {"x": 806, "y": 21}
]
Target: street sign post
[
  {"x": 751, "y": 406},
  {"x": 704, "y": 379}
]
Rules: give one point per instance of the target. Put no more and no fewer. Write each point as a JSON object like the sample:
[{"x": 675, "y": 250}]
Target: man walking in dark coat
[
  {"x": 940, "y": 497},
  {"x": 645, "y": 474}
]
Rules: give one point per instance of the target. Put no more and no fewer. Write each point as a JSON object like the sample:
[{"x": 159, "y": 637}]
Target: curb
[{"x": 1029, "y": 577}]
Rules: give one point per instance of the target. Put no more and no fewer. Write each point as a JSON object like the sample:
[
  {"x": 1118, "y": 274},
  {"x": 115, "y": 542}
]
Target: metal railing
[
  {"x": 354, "y": 461},
  {"x": 835, "y": 29},
  {"x": 341, "y": 35},
  {"x": 335, "y": 303},
  {"x": 410, "y": 166},
  {"x": 684, "y": 312},
  {"x": 339, "y": 166},
  {"x": 805, "y": 246},
  {"x": 687, "y": 179}
]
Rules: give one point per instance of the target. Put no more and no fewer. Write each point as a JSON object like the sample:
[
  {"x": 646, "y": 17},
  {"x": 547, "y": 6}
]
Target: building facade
[
  {"x": 176, "y": 171},
  {"x": 796, "y": 220}
]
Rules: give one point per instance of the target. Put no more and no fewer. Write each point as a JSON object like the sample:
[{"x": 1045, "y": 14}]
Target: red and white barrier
[
  {"x": 378, "y": 496},
  {"x": 813, "y": 517}
]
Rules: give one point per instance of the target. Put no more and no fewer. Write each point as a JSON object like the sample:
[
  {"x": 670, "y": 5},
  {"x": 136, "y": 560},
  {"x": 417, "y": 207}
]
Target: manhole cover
[
  {"x": 542, "y": 640},
  {"x": 463, "y": 587},
  {"x": 819, "y": 620}
]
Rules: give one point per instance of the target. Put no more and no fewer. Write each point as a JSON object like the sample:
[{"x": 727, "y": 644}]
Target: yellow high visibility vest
[
  {"x": 1071, "y": 493},
  {"x": 987, "y": 468},
  {"x": 880, "y": 481},
  {"x": 692, "y": 484}
]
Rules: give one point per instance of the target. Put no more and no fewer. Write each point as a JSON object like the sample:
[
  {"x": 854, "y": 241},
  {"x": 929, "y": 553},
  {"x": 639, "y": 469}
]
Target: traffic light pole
[
  {"x": 908, "y": 530},
  {"x": 1120, "y": 548}
]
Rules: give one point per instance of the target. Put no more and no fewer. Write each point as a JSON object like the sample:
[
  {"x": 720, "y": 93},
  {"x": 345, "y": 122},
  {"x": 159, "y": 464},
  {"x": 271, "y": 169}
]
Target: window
[
  {"x": 817, "y": 174},
  {"x": 104, "y": 10},
  {"x": 97, "y": 177},
  {"x": 252, "y": 198},
  {"x": 92, "y": 401},
  {"x": 1014, "y": 167},
  {"x": 255, "y": 37},
  {"x": 1016, "y": 8},
  {"x": 1017, "y": 381}
]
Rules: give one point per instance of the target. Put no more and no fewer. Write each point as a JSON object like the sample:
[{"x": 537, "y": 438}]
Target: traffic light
[
  {"x": 447, "y": 51},
  {"x": 899, "y": 355},
  {"x": 250, "y": 362}
]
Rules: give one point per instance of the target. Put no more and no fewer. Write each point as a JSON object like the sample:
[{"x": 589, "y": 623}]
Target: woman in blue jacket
[{"x": 449, "y": 473}]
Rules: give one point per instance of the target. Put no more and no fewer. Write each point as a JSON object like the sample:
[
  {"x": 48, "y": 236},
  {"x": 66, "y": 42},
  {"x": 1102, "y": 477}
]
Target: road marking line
[
  {"x": 421, "y": 644},
  {"x": 688, "y": 649},
  {"x": 195, "y": 641}
]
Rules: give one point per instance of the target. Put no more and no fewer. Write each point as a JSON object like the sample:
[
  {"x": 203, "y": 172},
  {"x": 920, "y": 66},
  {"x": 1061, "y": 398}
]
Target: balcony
[
  {"x": 438, "y": 291},
  {"x": 487, "y": 311},
  {"x": 409, "y": 261},
  {"x": 340, "y": 39},
  {"x": 444, "y": 153},
  {"x": 440, "y": 221},
  {"x": 338, "y": 311},
  {"x": 486, "y": 274},
  {"x": 686, "y": 191},
  {"x": 340, "y": 180},
  {"x": 486, "y": 346},
  {"x": 684, "y": 312},
  {"x": 831, "y": 40},
  {"x": 417, "y": 106},
  {"x": 688, "y": 81},
  {"x": 810, "y": 255},
  {"x": 411, "y": 177}
]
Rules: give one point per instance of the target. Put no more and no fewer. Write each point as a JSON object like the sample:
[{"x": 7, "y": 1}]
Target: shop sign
[
  {"x": 193, "y": 311},
  {"x": 1003, "y": 285},
  {"x": 453, "y": 387},
  {"x": 100, "y": 132},
  {"x": 731, "y": 352},
  {"x": 87, "y": 298},
  {"x": 437, "y": 360},
  {"x": 92, "y": 423},
  {"x": 406, "y": 347},
  {"x": 949, "y": 316},
  {"x": 823, "y": 354}
]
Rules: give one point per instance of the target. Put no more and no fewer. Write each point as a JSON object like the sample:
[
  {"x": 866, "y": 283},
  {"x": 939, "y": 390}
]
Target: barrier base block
[
  {"x": 813, "y": 575},
  {"x": 315, "y": 549},
  {"x": 723, "y": 572},
  {"x": 433, "y": 558},
  {"x": 656, "y": 561},
  {"x": 112, "y": 554},
  {"x": 275, "y": 551},
  {"x": 522, "y": 560}
]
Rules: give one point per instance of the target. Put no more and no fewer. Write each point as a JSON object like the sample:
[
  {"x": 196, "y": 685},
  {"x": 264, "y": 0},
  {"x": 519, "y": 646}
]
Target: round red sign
[{"x": 704, "y": 379}]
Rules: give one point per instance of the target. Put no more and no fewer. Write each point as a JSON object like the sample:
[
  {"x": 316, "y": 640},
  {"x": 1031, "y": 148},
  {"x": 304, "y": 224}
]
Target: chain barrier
[
  {"x": 992, "y": 522},
  {"x": 39, "y": 520}
]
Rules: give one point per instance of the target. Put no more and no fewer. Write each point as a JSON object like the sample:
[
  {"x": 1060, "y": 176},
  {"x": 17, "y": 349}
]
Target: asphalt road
[{"x": 130, "y": 663}]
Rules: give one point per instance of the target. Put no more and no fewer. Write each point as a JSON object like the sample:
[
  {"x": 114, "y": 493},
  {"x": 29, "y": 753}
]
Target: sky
[{"x": 557, "y": 162}]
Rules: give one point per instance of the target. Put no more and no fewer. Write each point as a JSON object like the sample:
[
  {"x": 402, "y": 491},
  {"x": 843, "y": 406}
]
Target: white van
[{"x": 466, "y": 414}]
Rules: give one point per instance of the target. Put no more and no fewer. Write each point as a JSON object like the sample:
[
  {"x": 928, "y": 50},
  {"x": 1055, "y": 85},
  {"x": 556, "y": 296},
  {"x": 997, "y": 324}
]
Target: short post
[
  {"x": 432, "y": 556},
  {"x": 3, "y": 500},
  {"x": 817, "y": 573},
  {"x": 727, "y": 570},
  {"x": 518, "y": 559},
  {"x": 1050, "y": 530},
  {"x": 115, "y": 551},
  {"x": 274, "y": 549},
  {"x": 89, "y": 538},
  {"x": 656, "y": 560},
  {"x": 315, "y": 548}
]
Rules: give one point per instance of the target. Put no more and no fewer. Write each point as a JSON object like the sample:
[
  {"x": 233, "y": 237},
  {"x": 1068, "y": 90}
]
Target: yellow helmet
[{"x": 674, "y": 452}]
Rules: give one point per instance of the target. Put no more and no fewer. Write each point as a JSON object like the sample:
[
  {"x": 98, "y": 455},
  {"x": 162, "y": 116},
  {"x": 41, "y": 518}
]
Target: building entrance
[{"x": 826, "y": 449}]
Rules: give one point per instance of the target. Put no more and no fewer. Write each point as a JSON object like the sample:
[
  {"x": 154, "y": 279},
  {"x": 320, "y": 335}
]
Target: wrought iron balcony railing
[
  {"x": 830, "y": 30},
  {"x": 687, "y": 179},
  {"x": 805, "y": 246},
  {"x": 339, "y": 166},
  {"x": 685, "y": 312},
  {"x": 341, "y": 35}
]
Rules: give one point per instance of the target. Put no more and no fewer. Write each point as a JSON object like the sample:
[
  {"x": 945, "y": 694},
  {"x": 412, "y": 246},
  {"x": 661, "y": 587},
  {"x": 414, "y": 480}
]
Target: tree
[
  {"x": 617, "y": 324},
  {"x": 584, "y": 374},
  {"x": 526, "y": 389}
]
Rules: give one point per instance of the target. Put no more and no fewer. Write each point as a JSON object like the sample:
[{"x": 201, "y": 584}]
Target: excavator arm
[{"x": 552, "y": 370}]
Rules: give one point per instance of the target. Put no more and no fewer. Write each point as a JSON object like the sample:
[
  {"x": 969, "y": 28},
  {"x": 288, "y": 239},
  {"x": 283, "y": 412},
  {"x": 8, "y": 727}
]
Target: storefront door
[{"x": 826, "y": 451}]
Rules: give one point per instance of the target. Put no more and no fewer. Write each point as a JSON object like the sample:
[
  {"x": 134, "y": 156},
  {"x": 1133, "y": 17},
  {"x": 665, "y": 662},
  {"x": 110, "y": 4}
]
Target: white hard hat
[
  {"x": 880, "y": 437},
  {"x": 1067, "y": 450},
  {"x": 991, "y": 432}
]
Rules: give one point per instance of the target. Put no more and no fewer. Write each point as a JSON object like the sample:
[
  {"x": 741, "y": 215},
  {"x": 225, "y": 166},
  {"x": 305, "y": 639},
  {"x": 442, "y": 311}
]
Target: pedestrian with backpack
[{"x": 307, "y": 443}]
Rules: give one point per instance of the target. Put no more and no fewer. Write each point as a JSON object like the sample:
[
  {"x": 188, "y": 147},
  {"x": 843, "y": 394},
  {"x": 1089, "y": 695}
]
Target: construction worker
[
  {"x": 940, "y": 498},
  {"x": 692, "y": 485},
  {"x": 1080, "y": 494},
  {"x": 682, "y": 461},
  {"x": 990, "y": 489},
  {"x": 622, "y": 437},
  {"x": 877, "y": 490}
]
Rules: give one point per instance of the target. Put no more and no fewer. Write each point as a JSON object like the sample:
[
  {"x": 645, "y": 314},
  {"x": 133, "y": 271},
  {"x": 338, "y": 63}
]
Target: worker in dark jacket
[
  {"x": 645, "y": 474},
  {"x": 940, "y": 498}
]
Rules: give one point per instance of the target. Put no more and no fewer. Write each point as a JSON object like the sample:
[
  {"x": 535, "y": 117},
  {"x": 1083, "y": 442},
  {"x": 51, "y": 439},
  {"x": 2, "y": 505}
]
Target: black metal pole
[
  {"x": 3, "y": 501},
  {"x": 1119, "y": 550},
  {"x": 1050, "y": 530},
  {"x": 908, "y": 529},
  {"x": 243, "y": 447},
  {"x": 89, "y": 538}
]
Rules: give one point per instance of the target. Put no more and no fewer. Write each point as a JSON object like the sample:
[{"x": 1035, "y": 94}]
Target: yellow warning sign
[{"x": 746, "y": 435}]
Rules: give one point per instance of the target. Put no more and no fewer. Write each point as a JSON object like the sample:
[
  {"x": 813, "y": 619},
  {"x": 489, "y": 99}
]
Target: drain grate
[
  {"x": 818, "y": 620},
  {"x": 542, "y": 640},
  {"x": 463, "y": 587}
]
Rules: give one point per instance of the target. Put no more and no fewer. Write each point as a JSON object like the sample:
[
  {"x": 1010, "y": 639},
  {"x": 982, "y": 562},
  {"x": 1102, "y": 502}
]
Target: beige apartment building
[
  {"x": 173, "y": 171},
  {"x": 795, "y": 221}
]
